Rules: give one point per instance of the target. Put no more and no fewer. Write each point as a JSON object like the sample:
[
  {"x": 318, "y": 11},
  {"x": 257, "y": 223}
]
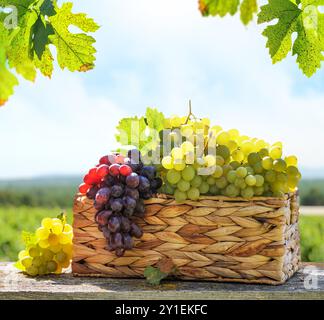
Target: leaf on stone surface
[
  {"x": 306, "y": 21},
  {"x": 75, "y": 51},
  {"x": 248, "y": 8},
  {"x": 154, "y": 275},
  {"x": 218, "y": 7}
]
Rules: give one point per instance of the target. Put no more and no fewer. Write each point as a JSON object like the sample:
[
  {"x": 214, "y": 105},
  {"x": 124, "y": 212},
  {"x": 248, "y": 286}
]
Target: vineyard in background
[{"x": 24, "y": 203}]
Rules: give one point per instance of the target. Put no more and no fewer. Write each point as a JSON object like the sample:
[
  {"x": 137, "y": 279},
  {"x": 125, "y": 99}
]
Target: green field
[{"x": 14, "y": 220}]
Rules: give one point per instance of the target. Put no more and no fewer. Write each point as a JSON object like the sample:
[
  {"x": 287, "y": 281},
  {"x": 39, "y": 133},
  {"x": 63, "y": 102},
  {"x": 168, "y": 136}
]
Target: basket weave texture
[{"x": 214, "y": 239}]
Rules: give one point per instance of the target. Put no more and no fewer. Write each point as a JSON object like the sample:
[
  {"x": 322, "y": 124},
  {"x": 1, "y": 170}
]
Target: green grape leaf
[
  {"x": 132, "y": 132},
  {"x": 164, "y": 268},
  {"x": 74, "y": 51},
  {"x": 306, "y": 21},
  {"x": 7, "y": 80},
  {"x": 19, "y": 52},
  {"x": 155, "y": 119},
  {"x": 154, "y": 276},
  {"x": 41, "y": 30},
  {"x": 248, "y": 8},
  {"x": 47, "y": 8},
  {"x": 218, "y": 7}
]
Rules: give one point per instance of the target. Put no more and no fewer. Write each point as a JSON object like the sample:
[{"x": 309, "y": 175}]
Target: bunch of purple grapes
[{"x": 119, "y": 186}]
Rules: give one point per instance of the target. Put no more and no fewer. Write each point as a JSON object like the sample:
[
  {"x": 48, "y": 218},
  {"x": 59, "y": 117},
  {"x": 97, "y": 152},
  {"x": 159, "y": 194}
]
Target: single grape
[
  {"x": 117, "y": 190},
  {"x": 270, "y": 176},
  {"x": 238, "y": 155},
  {"x": 253, "y": 158},
  {"x": 258, "y": 168},
  {"x": 223, "y": 151},
  {"x": 128, "y": 241},
  {"x": 183, "y": 185},
  {"x": 267, "y": 163},
  {"x": 51, "y": 266},
  {"x": 149, "y": 172},
  {"x": 188, "y": 173},
  {"x": 103, "y": 196},
  {"x": 173, "y": 176},
  {"x": 128, "y": 212},
  {"x": 240, "y": 183},
  {"x": 211, "y": 180},
  {"x": 235, "y": 164},
  {"x": 104, "y": 160},
  {"x": 125, "y": 224},
  {"x": 102, "y": 217},
  {"x": 102, "y": 170},
  {"x": 279, "y": 165},
  {"x": 136, "y": 231},
  {"x": 61, "y": 257},
  {"x": 156, "y": 184},
  {"x": 247, "y": 193},
  {"x": 204, "y": 187},
  {"x": 180, "y": 196},
  {"x": 259, "y": 180},
  {"x": 291, "y": 161},
  {"x": 241, "y": 172},
  {"x": 196, "y": 181},
  {"x": 34, "y": 252},
  {"x": 133, "y": 193},
  {"x": 114, "y": 170},
  {"x": 83, "y": 188},
  {"x": 114, "y": 224},
  {"x": 118, "y": 240},
  {"x": 218, "y": 172},
  {"x": 129, "y": 202},
  {"x": 275, "y": 152},
  {"x": 105, "y": 232},
  {"x": 167, "y": 162},
  {"x": 42, "y": 233},
  {"x": 258, "y": 191},
  {"x": 193, "y": 194},
  {"x": 125, "y": 170},
  {"x": 232, "y": 191},
  {"x": 223, "y": 138},
  {"x": 144, "y": 184},
  {"x": 32, "y": 271},
  {"x": 147, "y": 195},
  {"x": 264, "y": 152},
  {"x": 116, "y": 205},
  {"x": 221, "y": 183},
  {"x": 133, "y": 180},
  {"x": 91, "y": 194},
  {"x": 220, "y": 160},
  {"x": 110, "y": 180},
  {"x": 231, "y": 176},
  {"x": 213, "y": 190},
  {"x": 250, "y": 180}
]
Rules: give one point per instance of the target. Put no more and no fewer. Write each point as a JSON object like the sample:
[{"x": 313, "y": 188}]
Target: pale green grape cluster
[
  {"x": 208, "y": 160},
  {"x": 49, "y": 250}
]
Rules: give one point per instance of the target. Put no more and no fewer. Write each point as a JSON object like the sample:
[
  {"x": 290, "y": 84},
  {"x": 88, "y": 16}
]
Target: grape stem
[{"x": 190, "y": 113}]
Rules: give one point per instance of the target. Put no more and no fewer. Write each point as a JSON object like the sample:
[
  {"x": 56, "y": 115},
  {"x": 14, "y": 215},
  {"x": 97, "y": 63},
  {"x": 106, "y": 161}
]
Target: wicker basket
[{"x": 214, "y": 239}]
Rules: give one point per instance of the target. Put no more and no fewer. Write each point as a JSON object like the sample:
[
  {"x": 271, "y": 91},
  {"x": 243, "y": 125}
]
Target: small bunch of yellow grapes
[
  {"x": 209, "y": 160},
  {"x": 48, "y": 250}
]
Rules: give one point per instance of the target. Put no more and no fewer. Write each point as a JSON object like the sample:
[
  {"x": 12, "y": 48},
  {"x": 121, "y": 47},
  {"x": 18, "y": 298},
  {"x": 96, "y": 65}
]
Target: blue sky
[{"x": 160, "y": 53}]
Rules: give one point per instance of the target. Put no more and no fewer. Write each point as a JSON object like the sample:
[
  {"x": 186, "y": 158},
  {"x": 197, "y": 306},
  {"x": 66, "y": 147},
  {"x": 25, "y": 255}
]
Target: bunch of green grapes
[
  {"x": 209, "y": 160},
  {"x": 50, "y": 250}
]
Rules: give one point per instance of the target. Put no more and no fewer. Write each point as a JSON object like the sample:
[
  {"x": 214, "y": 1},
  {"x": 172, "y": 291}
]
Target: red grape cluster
[{"x": 119, "y": 185}]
